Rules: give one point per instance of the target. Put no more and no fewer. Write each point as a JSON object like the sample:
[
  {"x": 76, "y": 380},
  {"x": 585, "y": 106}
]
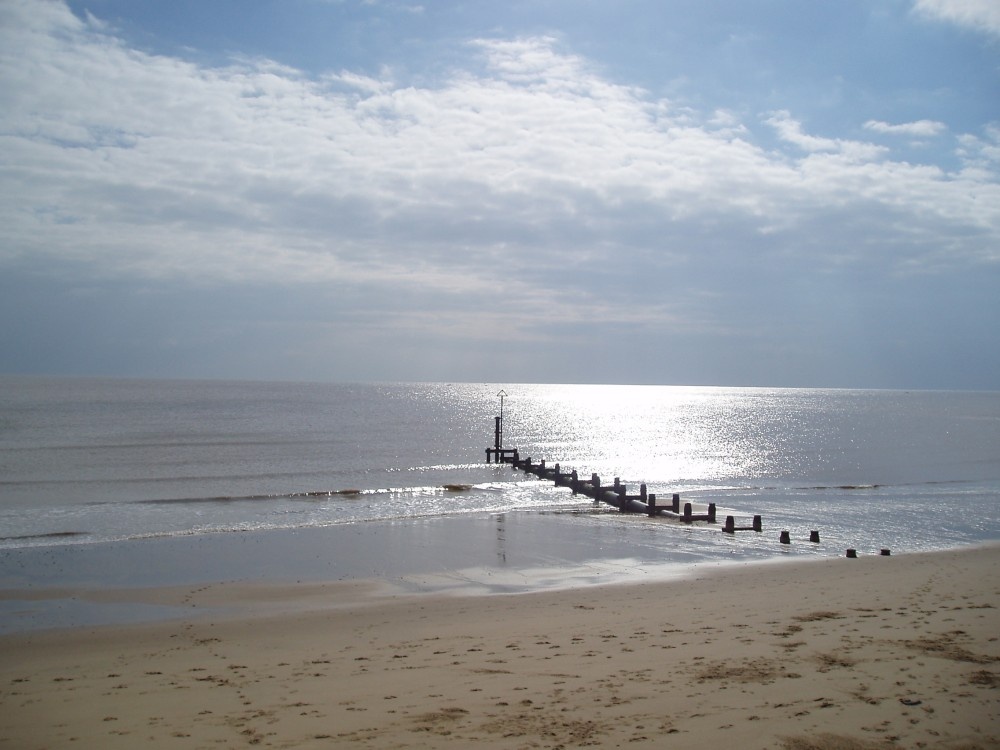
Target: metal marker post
[{"x": 502, "y": 395}]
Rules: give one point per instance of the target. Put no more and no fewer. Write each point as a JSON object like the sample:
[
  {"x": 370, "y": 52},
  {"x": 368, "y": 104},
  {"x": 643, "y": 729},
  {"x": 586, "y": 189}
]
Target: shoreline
[
  {"x": 87, "y": 585},
  {"x": 897, "y": 652},
  {"x": 93, "y": 584}
]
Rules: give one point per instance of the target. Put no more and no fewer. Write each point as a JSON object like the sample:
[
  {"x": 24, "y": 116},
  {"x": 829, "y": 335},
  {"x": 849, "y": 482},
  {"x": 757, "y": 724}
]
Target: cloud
[
  {"x": 526, "y": 166},
  {"x": 918, "y": 129},
  {"x": 981, "y": 15},
  {"x": 791, "y": 131}
]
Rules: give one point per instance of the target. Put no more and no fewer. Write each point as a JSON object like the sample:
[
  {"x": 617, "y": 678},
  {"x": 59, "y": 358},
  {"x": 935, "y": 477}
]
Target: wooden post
[
  {"x": 785, "y": 538},
  {"x": 711, "y": 512},
  {"x": 687, "y": 513},
  {"x": 756, "y": 523},
  {"x": 730, "y": 527},
  {"x": 642, "y": 493},
  {"x": 852, "y": 553},
  {"x": 622, "y": 500},
  {"x": 814, "y": 537},
  {"x": 885, "y": 552},
  {"x": 574, "y": 482},
  {"x": 496, "y": 435},
  {"x": 676, "y": 506},
  {"x": 650, "y": 504}
]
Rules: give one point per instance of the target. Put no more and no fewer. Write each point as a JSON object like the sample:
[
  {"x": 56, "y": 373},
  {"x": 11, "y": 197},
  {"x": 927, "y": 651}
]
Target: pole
[{"x": 502, "y": 395}]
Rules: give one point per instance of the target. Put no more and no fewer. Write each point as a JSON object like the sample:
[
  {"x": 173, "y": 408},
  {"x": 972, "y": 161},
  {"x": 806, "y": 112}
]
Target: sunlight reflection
[{"x": 663, "y": 435}]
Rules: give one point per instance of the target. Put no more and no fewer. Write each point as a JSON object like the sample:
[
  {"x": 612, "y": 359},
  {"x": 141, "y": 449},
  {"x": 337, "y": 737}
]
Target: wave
[
  {"x": 341, "y": 494},
  {"x": 47, "y": 535},
  {"x": 823, "y": 487},
  {"x": 176, "y": 479},
  {"x": 267, "y": 476},
  {"x": 88, "y": 538},
  {"x": 442, "y": 467},
  {"x": 221, "y": 442},
  {"x": 885, "y": 485}
]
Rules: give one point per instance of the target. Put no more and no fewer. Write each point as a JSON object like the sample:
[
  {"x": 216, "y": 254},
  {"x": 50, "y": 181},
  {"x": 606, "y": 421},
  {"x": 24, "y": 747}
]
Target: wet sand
[{"x": 878, "y": 652}]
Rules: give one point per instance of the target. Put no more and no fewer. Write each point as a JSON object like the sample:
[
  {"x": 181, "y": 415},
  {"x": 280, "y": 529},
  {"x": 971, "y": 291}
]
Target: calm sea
[{"x": 87, "y": 461}]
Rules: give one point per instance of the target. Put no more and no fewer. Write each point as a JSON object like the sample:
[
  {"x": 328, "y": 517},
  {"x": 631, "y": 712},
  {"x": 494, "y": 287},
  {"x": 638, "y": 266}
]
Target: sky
[{"x": 688, "y": 192}]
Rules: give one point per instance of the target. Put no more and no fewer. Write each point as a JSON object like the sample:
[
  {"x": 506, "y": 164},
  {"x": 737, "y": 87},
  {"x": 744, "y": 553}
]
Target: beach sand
[{"x": 877, "y": 652}]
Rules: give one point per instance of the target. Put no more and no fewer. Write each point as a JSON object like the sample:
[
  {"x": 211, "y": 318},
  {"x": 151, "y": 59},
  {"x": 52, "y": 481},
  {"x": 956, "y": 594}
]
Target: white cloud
[
  {"x": 359, "y": 82},
  {"x": 918, "y": 129},
  {"x": 154, "y": 166},
  {"x": 982, "y": 15},
  {"x": 790, "y": 131},
  {"x": 981, "y": 155}
]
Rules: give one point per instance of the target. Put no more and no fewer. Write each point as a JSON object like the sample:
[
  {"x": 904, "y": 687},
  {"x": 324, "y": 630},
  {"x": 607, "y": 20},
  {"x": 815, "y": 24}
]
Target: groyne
[{"x": 615, "y": 494}]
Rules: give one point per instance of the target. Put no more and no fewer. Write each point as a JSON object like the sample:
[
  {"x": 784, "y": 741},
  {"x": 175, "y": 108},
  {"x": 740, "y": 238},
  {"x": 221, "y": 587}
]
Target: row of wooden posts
[{"x": 616, "y": 494}]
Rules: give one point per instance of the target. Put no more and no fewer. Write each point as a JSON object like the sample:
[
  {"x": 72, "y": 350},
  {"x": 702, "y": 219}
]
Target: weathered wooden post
[
  {"x": 651, "y": 504},
  {"x": 885, "y": 552},
  {"x": 622, "y": 500},
  {"x": 687, "y": 512},
  {"x": 814, "y": 537},
  {"x": 711, "y": 512},
  {"x": 785, "y": 538},
  {"x": 574, "y": 482},
  {"x": 676, "y": 503},
  {"x": 852, "y": 553},
  {"x": 757, "y": 523},
  {"x": 730, "y": 527}
]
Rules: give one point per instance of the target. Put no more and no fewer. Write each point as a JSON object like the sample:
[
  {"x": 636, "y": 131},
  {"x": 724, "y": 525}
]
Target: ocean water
[{"x": 97, "y": 461}]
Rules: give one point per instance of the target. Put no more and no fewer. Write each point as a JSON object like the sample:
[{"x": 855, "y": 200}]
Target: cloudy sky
[{"x": 720, "y": 192}]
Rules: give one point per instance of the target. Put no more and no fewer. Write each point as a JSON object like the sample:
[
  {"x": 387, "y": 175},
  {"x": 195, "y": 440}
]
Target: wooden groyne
[{"x": 615, "y": 494}]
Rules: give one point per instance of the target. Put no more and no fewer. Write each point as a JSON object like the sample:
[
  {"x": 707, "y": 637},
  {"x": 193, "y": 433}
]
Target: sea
[{"x": 315, "y": 477}]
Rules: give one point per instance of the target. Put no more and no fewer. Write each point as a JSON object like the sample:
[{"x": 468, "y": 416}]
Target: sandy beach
[{"x": 877, "y": 652}]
